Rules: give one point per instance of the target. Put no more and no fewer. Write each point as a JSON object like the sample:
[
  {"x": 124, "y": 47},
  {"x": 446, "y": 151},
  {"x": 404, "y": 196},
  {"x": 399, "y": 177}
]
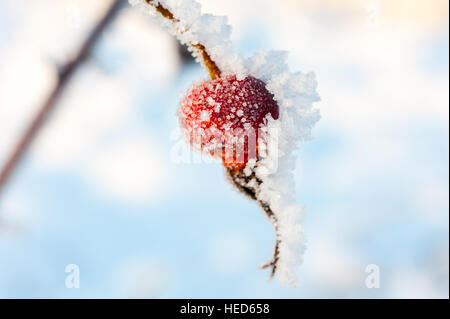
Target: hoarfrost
[{"x": 295, "y": 94}]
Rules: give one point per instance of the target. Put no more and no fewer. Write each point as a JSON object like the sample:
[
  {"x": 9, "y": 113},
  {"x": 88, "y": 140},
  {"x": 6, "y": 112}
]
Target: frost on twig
[
  {"x": 198, "y": 49},
  {"x": 250, "y": 186},
  {"x": 269, "y": 179}
]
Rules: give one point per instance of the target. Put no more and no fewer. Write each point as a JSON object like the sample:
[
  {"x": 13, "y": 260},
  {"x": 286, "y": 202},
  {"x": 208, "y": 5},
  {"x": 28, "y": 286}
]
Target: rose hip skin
[{"x": 223, "y": 116}]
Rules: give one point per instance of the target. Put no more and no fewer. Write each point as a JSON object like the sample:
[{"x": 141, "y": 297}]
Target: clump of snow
[{"x": 295, "y": 94}]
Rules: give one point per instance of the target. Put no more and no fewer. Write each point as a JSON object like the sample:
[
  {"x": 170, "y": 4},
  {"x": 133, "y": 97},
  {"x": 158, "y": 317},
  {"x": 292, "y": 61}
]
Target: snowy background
[{"x": 100, "y": 187}]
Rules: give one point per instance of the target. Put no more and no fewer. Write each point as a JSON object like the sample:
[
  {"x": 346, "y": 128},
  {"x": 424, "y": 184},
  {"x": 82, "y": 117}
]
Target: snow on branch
[{"x": 197, "y": 48}]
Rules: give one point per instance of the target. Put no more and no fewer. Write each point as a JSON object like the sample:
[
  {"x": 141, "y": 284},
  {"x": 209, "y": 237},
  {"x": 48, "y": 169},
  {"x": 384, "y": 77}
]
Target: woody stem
[{"x": 199, "y": 49}]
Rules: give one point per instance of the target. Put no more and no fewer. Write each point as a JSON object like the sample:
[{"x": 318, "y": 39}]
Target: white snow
[{"x": 295, "y": 94}]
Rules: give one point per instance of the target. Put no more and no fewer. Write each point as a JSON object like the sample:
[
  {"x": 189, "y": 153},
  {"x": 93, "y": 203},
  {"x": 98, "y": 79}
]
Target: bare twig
[{"x": 65, "y": 73}]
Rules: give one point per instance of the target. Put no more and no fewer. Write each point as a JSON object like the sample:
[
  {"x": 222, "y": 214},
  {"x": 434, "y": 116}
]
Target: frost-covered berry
[{"x": 223, "y": 116}]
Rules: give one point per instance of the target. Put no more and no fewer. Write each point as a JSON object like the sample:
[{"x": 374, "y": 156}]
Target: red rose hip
[{"x": 223, "y": 116}]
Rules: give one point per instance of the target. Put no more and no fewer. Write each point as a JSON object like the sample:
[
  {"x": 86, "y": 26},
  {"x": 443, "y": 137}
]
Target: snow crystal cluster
[{"x": 295, "y": 94}]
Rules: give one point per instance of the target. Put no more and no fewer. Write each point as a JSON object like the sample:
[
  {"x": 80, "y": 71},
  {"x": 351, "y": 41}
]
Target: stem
[
  {"x": 198, "y": 48},
  {"x": 65, "y": 74},
  {"x": 245, "y": 184}
]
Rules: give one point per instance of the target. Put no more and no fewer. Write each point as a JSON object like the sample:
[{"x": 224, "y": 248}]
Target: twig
[
  {"x": 198, "y": 48},
  {"x": 249, "y": 185},
  {"x": 65, "y": 73}
]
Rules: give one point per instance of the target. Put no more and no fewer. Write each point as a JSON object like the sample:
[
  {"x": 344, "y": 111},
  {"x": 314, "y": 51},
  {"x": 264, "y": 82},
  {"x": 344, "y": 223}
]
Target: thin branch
[
  {"x": 249, "y": 185},
  {"x": 65, "y": 74},
  {"x": 198, "y": 48}
]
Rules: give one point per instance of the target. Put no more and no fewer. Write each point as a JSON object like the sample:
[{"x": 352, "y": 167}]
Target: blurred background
[{"x": 102, "y": 186}]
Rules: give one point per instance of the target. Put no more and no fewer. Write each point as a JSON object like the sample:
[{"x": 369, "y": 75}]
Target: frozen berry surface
[{"x": 227, "y": 107}]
